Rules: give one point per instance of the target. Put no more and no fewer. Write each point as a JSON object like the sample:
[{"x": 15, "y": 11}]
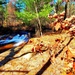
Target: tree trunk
[
  {"x": 65, "y": 11},
  {"x": 38, "y": 28},
  {"x": 37, "y": 31}
]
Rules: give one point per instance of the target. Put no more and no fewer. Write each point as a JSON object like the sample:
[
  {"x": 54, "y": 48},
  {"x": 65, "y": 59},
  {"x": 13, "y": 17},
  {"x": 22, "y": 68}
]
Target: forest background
[{"x": 28, "y": 14}]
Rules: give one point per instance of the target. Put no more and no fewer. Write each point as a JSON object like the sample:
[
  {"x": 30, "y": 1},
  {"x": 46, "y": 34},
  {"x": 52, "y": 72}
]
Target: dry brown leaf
[
  {"x": 57, "y": 26},
  {"x": 74, "y": 66}
]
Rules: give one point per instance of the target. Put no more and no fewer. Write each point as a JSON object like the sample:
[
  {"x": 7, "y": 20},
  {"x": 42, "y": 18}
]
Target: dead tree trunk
[{"x": 69, "y": 8}]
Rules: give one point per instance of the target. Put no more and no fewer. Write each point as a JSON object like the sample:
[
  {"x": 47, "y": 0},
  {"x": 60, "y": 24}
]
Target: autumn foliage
[{"x": 61, "y": 24}]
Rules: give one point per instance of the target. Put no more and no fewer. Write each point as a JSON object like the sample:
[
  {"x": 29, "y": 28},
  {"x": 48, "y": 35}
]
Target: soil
[{"x": 50, "y": 54}]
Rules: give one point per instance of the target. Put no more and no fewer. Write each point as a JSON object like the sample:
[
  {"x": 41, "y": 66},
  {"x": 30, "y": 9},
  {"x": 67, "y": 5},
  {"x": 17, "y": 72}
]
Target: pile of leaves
[{"x": 61, "y": 24}]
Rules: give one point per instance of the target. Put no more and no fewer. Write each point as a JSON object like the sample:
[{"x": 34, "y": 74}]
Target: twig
[{"x": 64, "y": 47}]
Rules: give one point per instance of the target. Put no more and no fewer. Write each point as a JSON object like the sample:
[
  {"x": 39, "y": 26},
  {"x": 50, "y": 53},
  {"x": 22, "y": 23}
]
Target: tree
[
  {"x": 8, "y": 11},
  {"x": 70, "y": 7},
  {"x": 10, "y": 16},
  {"x": 2, "y": 11},
  {"x": 35, "y": 10}
]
